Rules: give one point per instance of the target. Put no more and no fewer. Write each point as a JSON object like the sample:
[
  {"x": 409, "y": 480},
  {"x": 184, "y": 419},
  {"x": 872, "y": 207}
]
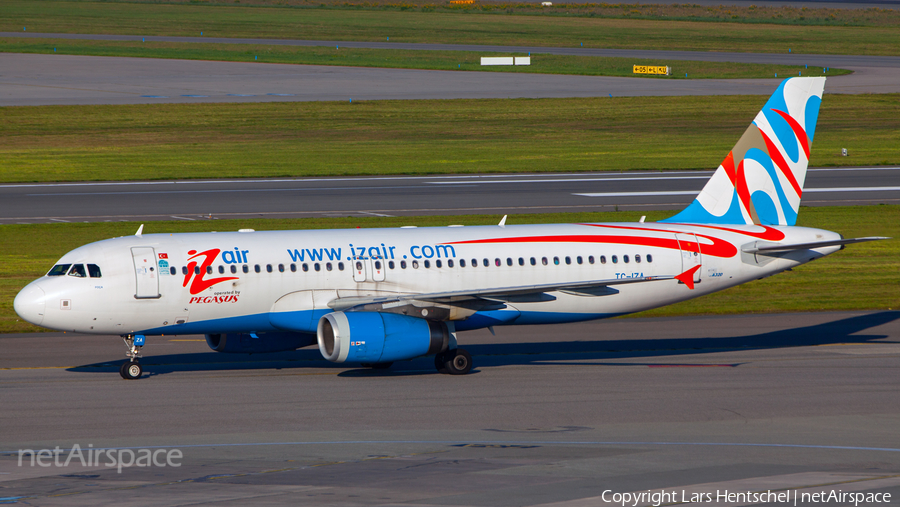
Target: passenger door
[
  {"x": 690, "y": 253},
  {"x": 146, "y": 272}
]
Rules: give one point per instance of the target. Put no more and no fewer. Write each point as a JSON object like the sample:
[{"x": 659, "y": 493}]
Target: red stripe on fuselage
[
  {"x": 768, "y": 233},
  {"x": 718, "y": 248}
]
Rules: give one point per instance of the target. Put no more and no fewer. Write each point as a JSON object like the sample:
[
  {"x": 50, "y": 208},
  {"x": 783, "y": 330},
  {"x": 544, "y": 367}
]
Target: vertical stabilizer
[{"x": 761, "y": 179}]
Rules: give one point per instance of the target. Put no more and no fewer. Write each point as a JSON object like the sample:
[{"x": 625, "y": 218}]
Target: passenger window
[
  {"x": 415, "y": 264},
  {"x": 77, "y": 271},
  {"x": 317, "y": 267},
  {"x": 172, "y": 270},
  {"x": 521, "y": 261},
  {"x": 402, "y": 264},
  {"x": 556, "y": 261},
  {"x": 533, "y": 261},
  {"x": 602, "y": 259},
  {"x": 462, "y": 263},
  {"x": 184, "y": 270},
  {"x": 359, "y": 266},
  {"x": 579, "y": 260},
  {"x": 328, "y": 266},
  {"x": 256, "y": 268},
  {"x": 649, "y": 258},
  {"x": 293, "y": 268},
  {"x": 196, "y": 270},
  {"x": 487, "y": 262},
  {"x": 449, "y": 263},
  {"x": 497, "y": 262},
  {"x": 377, "y": 264},
  {"x": 615, "y": 259},
  {"x": 341, "y": 266},
  {"x": 390, "y": 264},
  {"x": 427, "y": 263},
  {"x": 59, "y": 270},
  {"x": 221, "y": 269},
  {"x": 568, "y": 260},
  {"x": 474, "y": 263},
  {"x": 509, "y": 261},
  {"x": 437, "y": 263},
  {"x": 637, "y": 258},
  {"x": 625, "y": 259},
  {"x": 208, "y": 270},
  {"x": 591, "y": 259},
  {"x": 233, "y": 269},
  {"x": 281, "y": 268},
  {"x": 544, "y": 261},
  {"x": 245, "y": 268},
  {"x": 94, "y": 270},
  {"x": 268, "y": 268},
  {"x": 305, "y": 267}
]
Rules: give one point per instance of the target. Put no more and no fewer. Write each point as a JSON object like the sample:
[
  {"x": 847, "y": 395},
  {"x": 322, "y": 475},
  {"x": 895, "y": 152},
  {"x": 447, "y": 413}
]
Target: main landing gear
[
  {"x": 453, "y": 361},
  {"x": 131, "y": 369}
]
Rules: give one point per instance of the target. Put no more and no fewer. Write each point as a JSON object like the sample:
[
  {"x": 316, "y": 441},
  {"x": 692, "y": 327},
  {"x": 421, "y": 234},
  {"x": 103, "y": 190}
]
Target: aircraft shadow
[{"x": 549, "y": 352}]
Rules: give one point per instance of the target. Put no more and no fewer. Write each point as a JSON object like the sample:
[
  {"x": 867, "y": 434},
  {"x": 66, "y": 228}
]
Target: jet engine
[
  {"x": 251, "y": 343},
  {"x": 372, "y": 337}
]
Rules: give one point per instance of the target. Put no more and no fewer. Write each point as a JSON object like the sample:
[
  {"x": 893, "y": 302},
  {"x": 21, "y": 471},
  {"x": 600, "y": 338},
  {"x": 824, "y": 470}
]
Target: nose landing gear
[{"x": 131, "y": 369}]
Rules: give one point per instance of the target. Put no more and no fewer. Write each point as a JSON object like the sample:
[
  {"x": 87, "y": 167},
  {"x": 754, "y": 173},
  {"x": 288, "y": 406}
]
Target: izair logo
[{"x": 198, "y": 283}]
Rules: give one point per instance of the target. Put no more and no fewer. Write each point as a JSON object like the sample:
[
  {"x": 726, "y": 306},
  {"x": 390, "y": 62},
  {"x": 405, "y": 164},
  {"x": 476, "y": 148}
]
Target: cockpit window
[
  {"x": 94, "y": 270},
  {"x": 59, "y": 270},
  {"x": 77, "y": 270}
]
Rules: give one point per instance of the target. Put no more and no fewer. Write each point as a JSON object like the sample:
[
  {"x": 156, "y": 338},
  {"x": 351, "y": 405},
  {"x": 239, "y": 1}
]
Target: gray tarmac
[
  {"x": 551, "y": 415},
  {"x": 32, "y": 79},
  {"x": 406, "y": 195}
]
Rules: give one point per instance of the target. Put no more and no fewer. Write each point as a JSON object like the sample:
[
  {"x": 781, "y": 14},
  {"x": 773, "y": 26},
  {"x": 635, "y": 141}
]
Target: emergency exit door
[{"x": 145, "y": 272}]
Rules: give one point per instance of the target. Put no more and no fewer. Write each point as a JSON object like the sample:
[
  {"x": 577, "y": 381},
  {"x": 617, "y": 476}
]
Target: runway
[
  {"x": 552, "y": 415},
  {"x": 406, "y": 196}
]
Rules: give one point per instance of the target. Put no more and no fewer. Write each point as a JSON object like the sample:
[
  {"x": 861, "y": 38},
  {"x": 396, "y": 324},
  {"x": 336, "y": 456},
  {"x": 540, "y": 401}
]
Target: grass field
[
  {"x": 864, "y": 276},
  {"x": 166, "y": 141},
  {"x": 411, "y": 22},
  {"x": 405, "y": 59}
]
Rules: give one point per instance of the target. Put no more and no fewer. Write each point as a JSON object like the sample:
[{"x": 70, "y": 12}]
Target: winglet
[
  {"x": 502, "y": 221},
  {"x": 139, "y": 231},
  {"x": 687, "y": 277}
]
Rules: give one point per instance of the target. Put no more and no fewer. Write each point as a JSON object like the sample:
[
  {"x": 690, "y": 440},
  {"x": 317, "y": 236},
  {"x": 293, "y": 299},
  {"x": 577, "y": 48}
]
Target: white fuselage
[{"x": 284, "y": 280}]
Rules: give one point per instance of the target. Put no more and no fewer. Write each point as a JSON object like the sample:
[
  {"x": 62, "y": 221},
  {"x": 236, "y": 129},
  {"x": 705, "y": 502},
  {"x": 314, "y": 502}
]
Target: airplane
[{"x": 377, "y": 296}]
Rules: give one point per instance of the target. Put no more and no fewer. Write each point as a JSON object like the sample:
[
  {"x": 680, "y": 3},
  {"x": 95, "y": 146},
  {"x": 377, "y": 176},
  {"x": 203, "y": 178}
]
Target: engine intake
[{"x": 372, "y": 337}]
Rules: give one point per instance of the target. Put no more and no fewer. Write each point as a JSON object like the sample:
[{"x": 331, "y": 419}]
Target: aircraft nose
[{"x": 30, "y": 304}]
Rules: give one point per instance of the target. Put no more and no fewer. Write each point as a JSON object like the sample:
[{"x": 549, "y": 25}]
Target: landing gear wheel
[
  {"x": 458, "y": 362},
  {"x": 131, "y": 370},
  {"x": 377, "y": 366}
]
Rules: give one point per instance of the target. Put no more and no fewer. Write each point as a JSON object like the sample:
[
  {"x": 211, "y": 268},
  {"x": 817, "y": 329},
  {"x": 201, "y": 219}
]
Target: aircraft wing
[
  {"x": 499, "y": 293},
  {"x": 765, "y": 247}
]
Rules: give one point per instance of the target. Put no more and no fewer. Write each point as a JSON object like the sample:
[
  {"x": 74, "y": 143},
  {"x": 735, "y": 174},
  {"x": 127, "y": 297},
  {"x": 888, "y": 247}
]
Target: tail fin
[{"x": 761, "y": 179}]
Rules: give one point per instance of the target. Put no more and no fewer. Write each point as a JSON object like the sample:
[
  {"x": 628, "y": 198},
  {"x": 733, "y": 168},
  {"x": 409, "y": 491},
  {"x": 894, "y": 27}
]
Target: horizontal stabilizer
[{"x": 765, "y": 247}]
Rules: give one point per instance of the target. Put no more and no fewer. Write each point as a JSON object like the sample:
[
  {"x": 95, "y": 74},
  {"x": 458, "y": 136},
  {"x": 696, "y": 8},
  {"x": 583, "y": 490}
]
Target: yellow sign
[{"x": 651, "y": 69}]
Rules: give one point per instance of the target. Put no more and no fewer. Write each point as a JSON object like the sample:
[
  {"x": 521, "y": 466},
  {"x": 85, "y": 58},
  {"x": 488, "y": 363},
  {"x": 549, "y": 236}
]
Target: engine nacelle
[
  {"x": 372, "y": 337},
  {"x": 265, "y": 342}
]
